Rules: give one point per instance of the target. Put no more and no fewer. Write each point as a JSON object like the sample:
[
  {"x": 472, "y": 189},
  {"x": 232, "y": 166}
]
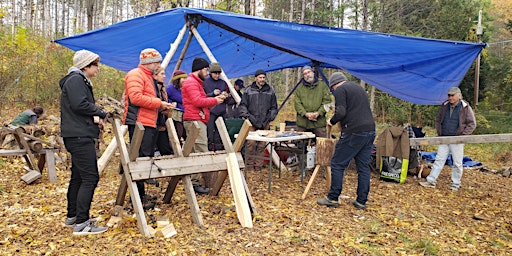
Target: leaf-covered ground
[{"x": 401, "y": 219}]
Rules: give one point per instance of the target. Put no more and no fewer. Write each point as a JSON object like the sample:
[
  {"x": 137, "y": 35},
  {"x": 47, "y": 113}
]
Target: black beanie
[
  {"x": 259, "y": 72},
  {"x": 199, "y": 63}
]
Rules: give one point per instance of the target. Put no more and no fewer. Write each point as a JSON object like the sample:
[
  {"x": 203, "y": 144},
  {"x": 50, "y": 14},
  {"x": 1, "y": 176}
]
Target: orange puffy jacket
[{"x": 140, "y": 101}]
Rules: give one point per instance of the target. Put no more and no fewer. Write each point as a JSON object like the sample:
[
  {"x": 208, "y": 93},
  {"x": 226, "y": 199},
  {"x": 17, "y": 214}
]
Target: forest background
[{"x": 31, "y": 65}]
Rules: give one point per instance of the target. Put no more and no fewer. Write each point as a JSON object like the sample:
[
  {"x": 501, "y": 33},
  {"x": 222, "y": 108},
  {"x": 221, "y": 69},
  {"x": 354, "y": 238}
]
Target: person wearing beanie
[
  {"x": 199, "y": 63},
  {"x": 312, "y": 100},
  {"x": 232, "y": 109},
  {"x": 79, "y": 127},
  {"x": 259, "y": 72},
  {"x": 259, "y": 106},
  {"x": 197, "y": 111},
  {"x": 214, "y": 85},
  {"x": 352, "y": 111},
  {"x": 174, "y": 94},
  {"x": 455, "y": 118},
  {"x": 142, "y": 104}
]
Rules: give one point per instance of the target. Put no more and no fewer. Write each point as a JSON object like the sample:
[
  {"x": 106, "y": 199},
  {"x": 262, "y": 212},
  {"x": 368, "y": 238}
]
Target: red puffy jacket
[
  {"x": 195, "y": 100},
  {"x": 140, "y": 101}
]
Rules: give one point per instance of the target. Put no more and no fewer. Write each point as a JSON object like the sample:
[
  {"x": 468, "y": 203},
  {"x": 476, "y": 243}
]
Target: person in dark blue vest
[{"x": 455, "y": 118}]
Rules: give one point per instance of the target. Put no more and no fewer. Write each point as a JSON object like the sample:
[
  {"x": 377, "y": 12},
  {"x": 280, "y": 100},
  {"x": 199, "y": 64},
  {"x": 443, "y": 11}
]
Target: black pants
[
  {"x": 84, "y": 177},
  {"x": 147, "y": 148},
  {"x": 162, "y": 143},
  {"x": 214, "y": 140}
]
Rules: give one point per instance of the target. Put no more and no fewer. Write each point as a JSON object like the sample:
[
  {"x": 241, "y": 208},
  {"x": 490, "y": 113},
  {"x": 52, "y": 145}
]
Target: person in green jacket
[
  {"x": 312, "y": 100},
  {"x": 29, "y": 116}
]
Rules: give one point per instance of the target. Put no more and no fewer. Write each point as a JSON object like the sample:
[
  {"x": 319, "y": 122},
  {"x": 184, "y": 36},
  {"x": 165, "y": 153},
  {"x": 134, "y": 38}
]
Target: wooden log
[
  {"x": 35, "y": 146},
  {"x": 324, "y": 150},
  {"x": 12, "y": 152}
]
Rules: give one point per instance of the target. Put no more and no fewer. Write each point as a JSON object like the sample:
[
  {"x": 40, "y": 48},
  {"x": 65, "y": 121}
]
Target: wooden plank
[
  {"x": 464, "y": 139},
  {"x": 192, "y": 201},
  {"x": 173, "y": 137},
  {"x": 18, "y": 135},
  {"x": 31, "y": 176},
  {"x": 170, "y": 189},
  {"x": 242, "y": 206},
  {"x": 138, "y": 133},
  {"x": 134, "y": 193},
  {"x": 50, "y": 165},
  {"x": 12, "y": 152},
  {"x": 148, "y": 169},
  {"x": 242, "y": 135},
  {"x": 109, "y": 151},
  {"x": 176, "y": 147},
  {"x": 308, "y": 187},
  {"x": 226, "y": 142},
  {"x": 191, "y": 140}
]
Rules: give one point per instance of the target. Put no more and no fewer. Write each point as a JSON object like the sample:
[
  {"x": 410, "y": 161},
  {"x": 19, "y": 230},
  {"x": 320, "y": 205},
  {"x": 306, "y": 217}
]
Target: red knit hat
[{"x": 178, "y": 74}]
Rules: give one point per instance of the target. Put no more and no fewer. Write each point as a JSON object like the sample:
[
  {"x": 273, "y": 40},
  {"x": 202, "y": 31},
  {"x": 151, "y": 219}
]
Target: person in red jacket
[
  {"x": 197, "y": 107},
  {"x": 141, "y": 104}
]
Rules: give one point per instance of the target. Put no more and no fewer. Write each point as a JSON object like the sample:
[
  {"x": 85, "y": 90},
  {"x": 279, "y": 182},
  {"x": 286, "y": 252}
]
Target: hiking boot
[
  {"x": 358, "y": 205},
  {"x": 87, "y": 228},
  {"x": 70, "y": 222},
  {"x": 201, "y": 190},
  {"x": 427, "y": 184},
  {"x": 325, "y": 201}
]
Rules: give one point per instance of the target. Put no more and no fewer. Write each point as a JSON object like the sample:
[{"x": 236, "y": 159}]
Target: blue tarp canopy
[{"x": 417, "y": 70}]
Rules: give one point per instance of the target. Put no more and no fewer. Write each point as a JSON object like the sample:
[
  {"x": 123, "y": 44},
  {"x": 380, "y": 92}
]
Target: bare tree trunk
[
  {"x": 247, "y": 7},
  {"x": 90, "y": 13},
  {"x": 14, "y": 17},
  {"x": 303, "y": 11}
]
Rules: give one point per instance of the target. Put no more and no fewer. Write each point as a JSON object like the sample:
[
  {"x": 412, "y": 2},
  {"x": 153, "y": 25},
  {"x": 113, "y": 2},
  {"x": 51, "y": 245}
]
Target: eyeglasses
[{"x": 451, "y": 95}]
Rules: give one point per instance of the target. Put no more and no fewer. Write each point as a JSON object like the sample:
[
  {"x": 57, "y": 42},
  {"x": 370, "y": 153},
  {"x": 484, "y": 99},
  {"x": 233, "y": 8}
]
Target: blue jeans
[
  {"x": 84, "y": 177},
  {"x": 356, "y": 146}
]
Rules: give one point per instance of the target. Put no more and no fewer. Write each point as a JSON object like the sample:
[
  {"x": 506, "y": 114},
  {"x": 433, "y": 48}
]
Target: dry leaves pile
[{"x": 401, "y": 219}]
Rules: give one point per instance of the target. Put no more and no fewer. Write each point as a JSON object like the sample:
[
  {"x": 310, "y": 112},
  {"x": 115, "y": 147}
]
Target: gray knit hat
[
  {"x": 149, "y": 55},
  {"x": 306, "y": 68},
  {"x": 336, "y": 78},
  {"x": 83, "y": 58}
]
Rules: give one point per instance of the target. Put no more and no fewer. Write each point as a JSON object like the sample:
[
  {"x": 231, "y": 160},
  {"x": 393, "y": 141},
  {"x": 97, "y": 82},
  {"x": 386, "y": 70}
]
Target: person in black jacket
[
  {"x": 352, "y": 110},
  {"x": 80, "y": 118},
  {"x": 259, "y": 105}
]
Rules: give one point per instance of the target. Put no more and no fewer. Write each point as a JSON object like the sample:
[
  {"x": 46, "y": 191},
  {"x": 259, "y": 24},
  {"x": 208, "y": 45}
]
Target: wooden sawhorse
[{"x": 180, "y": 166}]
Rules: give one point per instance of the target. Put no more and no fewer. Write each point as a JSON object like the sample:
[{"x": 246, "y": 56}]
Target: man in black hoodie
[
  {"x": 80, "y": 118},
  {"x": 259, "y": 105},
  {"x": 352, "y": 110}
]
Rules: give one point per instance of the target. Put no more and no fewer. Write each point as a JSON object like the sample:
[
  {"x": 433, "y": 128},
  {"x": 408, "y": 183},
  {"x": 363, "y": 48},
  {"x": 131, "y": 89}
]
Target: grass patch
[{"x": 425, "y": 246}]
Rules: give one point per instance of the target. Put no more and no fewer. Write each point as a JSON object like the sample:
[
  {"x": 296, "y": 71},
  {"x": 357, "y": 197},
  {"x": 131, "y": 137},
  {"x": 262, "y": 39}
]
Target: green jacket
[{"x": 311, "y": 98}]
